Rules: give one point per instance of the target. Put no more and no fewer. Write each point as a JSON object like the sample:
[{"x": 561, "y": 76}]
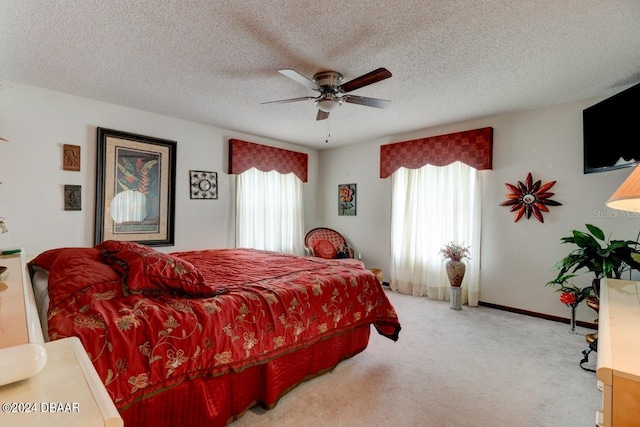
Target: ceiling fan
[{"x": 329, "y": 85}]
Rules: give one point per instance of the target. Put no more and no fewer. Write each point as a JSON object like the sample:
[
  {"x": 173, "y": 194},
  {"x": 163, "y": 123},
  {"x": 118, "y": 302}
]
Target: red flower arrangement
[
  {"x": 572, "y": 295},
  {"x": 569, "y": 298}
]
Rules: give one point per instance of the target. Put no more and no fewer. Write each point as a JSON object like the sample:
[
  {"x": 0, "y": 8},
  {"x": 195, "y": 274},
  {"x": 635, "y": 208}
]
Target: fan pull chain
[{"x": 326, "y": 141}]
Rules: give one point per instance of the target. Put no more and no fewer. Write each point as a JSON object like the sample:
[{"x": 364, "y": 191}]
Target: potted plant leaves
[{"x": 596, "y": 254}]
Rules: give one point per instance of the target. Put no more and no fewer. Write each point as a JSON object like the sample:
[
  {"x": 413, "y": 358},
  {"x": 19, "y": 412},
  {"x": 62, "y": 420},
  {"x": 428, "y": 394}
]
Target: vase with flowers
[
  {"x": 572, "y": 296},
  {"x": 454, "y": 253}
]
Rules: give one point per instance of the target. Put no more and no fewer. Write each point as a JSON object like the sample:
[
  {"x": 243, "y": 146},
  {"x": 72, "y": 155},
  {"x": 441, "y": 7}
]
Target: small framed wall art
[
  {"x": 204, "y": 185},
  {"x": 71, "y": 157},
  {"x": 347, "y": 199},
  {"x": 72, "y": 197}
]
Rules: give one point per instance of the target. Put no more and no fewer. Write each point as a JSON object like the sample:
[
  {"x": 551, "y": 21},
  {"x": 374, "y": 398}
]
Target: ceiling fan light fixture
[
  {"x": 329, "y": 85},
  {"x": 328, "y": 104}
]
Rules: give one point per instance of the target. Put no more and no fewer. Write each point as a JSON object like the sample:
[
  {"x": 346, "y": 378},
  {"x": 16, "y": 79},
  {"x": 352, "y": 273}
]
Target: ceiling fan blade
[
  {"x": 322, "y": 115},
  {"x": 369, "y": 102},
  {"x": 296, "y": 76},
  {"x": 283, "y": 101},
  {"x": 365, "y": 80}
]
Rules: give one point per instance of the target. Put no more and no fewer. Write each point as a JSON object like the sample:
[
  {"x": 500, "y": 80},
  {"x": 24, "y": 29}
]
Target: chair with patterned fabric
[{"x": 327, "y": 243}]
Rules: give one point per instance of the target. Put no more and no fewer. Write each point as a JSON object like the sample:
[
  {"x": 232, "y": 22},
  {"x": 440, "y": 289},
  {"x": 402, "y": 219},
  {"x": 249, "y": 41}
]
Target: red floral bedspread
[{"x": 262, "y": 305}]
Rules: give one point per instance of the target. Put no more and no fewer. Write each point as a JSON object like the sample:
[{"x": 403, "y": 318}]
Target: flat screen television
[{"x": 612, "y": 132}]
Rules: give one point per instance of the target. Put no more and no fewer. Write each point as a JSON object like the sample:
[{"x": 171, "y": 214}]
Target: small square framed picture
[{"x": 204, "y": 185}]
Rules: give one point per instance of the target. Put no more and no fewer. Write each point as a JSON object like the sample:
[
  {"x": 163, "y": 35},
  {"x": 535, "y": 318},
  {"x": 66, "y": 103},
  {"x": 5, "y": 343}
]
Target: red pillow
[
  {"x": 324, "y": 249},
  {"x": 151, "y": 272},
  {"x": 72, "y": 270},
  {"x": 46, "y": 259}
]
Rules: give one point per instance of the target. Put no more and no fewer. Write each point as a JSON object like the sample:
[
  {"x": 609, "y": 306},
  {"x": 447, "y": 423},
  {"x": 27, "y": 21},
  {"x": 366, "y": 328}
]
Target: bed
[{"x": 199, "y": 337}]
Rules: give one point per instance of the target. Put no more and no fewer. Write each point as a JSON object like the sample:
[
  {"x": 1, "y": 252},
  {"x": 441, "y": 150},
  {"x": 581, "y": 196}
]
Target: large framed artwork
[{"x": 135, "y": 188}]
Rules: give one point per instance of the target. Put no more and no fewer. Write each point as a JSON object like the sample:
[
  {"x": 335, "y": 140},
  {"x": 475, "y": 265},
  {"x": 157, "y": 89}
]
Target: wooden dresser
[{"x": 618, "y": 363}]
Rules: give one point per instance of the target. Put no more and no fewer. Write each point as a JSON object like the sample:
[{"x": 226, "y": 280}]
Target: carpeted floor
[{"x": 474, "y": 367}]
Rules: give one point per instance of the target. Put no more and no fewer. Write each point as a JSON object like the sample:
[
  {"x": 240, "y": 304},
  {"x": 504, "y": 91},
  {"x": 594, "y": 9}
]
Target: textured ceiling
[{"x": 214, "y": 62}]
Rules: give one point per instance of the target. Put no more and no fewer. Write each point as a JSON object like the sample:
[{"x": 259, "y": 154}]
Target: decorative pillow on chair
[
  {"x": 151, "y": 272},
  {"x": 324, "y": 249}
]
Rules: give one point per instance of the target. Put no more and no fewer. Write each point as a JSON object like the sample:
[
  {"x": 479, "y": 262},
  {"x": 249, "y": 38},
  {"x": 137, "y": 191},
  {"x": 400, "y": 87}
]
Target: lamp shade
[{"x": 627, "y": 196}]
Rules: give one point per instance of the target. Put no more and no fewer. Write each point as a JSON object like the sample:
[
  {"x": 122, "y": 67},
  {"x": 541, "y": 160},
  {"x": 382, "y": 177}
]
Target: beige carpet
[{"x": 474, "y": 367}]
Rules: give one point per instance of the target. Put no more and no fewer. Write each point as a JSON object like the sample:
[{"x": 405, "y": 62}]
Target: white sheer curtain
[
  {"x": 269, "y": 211},
  {"x": 432, "y": 206}
]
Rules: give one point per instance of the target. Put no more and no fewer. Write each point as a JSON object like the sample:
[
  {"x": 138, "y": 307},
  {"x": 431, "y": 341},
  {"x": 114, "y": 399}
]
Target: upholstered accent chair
[{"x": 327, "y": 243}]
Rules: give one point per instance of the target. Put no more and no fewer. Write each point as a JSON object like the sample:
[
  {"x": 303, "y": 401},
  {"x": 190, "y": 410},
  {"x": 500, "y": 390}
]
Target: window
[
  {"x": 269, "y": 211},
  {"x": 432, "y": 206}
]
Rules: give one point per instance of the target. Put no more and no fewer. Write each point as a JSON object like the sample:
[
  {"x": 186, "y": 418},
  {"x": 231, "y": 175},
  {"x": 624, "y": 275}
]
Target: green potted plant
[
  {"x": 595, "y": 254},
  {"x": 602, "y": 257}
]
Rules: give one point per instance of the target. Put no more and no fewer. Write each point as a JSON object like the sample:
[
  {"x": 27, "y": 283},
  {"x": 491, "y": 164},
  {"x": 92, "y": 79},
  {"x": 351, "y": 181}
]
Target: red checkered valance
[
  {"x": 472, "y": 147},
  {"x": 246, "y": 155}
]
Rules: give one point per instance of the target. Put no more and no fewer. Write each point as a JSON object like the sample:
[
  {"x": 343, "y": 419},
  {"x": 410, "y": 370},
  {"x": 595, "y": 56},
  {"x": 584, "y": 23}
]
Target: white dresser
[
  {"x": 22, "y": 352},
  {"x": 618, "y": 363},
  {"x": 43, "y": 384}
]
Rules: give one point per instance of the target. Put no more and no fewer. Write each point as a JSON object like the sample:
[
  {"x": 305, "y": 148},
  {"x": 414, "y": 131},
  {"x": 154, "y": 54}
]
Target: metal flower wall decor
[{"x": 530, "y": 198}]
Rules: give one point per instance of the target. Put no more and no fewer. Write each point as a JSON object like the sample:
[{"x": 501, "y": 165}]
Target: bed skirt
[{"x": 217, "y": 401}]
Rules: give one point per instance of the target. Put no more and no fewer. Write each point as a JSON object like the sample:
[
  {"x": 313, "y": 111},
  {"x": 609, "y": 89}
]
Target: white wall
[
  {"x": 517, "y": 258},
  {"x": 37, "y": 122},
  {"x": 368, "y": 232}
]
